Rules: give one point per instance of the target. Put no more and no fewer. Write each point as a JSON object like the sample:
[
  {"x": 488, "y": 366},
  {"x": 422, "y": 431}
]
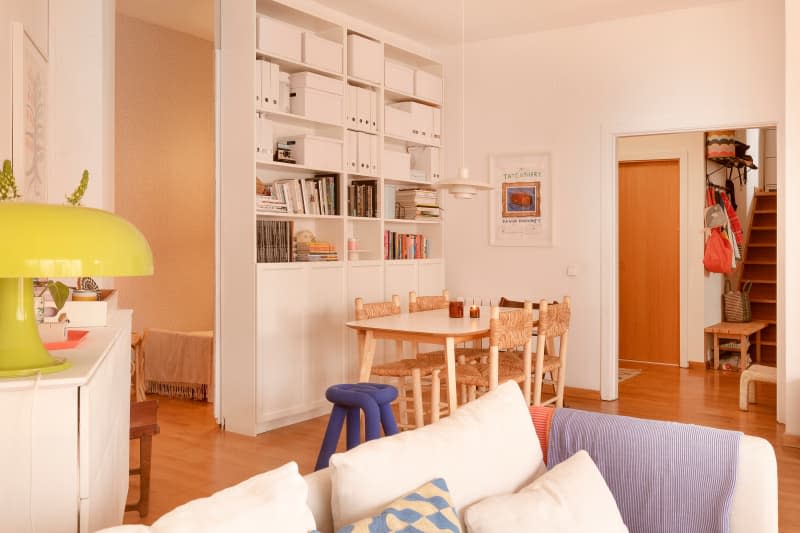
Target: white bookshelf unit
[{"x": 366, "y": 111}]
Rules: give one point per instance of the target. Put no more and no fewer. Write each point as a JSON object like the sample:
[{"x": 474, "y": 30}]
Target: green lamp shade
[{"x": 44, "y": 240}]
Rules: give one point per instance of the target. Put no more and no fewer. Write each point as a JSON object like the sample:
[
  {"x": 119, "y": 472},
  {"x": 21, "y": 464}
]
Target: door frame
[{"x": 683, "y": 198}]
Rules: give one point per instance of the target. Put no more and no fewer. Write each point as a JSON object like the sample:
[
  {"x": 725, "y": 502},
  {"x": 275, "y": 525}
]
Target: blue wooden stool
[{"x": 348, "y": 402}]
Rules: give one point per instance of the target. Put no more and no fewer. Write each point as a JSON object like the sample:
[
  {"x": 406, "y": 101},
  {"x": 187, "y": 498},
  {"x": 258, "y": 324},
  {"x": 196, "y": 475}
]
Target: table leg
[
  {"x": 450, "y": 356},
  {"x": 744, "y": 344},
  {"x": 139, "y": 375},
  {"x": 366, "y": 345},
  {"x": 716, "y": 351},
  {"x": 758, "y": 346}
]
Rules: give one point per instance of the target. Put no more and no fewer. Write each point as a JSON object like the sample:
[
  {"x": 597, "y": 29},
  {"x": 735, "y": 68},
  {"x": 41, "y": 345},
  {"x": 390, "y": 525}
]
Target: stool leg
[
  {"x": 436, "y": 390},
  {"x": 372, "y": 420},
  {"x": 751, "y": 392},
  {"x": 353, "y": 427},
  {"x": 716, "y": 351},
  {"x": 145, "y": 455},
  {"x": 387, "y": 419},
  {"x": 744, "y": 382},
  {"x": 331, "y": 438}
]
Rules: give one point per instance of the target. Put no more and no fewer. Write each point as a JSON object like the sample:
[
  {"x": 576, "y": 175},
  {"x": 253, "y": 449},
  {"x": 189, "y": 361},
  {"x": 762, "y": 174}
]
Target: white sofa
[{"x": 487, "y": 448}]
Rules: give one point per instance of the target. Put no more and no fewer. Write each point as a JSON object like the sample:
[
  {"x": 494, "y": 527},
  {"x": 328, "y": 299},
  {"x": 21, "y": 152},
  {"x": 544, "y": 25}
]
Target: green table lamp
[{"x": 46, "y": 240}]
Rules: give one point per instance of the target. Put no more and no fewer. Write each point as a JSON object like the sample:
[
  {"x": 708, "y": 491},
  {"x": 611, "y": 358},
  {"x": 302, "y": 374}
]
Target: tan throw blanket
[{"x": 179, "y": 364}]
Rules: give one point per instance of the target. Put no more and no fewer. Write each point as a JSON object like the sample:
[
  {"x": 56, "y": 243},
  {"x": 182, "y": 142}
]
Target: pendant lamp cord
[{"x": 463, "y": 116}]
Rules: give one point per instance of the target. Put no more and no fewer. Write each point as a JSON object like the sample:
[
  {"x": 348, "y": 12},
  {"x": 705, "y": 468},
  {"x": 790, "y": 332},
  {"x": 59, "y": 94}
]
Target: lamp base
[{"x": 21, "y": 350}]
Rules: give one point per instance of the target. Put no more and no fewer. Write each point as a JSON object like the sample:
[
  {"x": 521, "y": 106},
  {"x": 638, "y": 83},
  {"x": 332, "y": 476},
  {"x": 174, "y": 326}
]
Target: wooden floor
[{"x": 192, "y": 458}]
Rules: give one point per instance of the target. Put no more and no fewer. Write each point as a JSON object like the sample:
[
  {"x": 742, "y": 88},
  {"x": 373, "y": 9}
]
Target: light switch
[{"x": 572, "y": 270}]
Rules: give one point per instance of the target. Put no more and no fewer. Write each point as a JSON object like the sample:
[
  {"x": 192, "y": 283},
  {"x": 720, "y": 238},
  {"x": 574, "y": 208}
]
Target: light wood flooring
[{"x": 192, "y": 458}]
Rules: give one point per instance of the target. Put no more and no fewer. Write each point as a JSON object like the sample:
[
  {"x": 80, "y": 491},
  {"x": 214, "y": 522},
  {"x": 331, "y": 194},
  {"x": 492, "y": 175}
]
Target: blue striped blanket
[{"x": 666, "y": 477}]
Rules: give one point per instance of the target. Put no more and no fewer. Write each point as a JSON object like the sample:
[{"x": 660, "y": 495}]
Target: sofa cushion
[
  {"x": 571, "y": 497},
  {"x": 428, "y": 508},
  {"x": 272, "y": 501},
  {"x": 486, "y": 447}
]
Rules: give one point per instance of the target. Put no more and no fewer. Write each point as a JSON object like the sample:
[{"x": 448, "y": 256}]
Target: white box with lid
[
  {"x": 396, "y": 164},
  {"x": 421, "y": 120},
  {"x": 364, "y": 58},
  {"x": 426, "y": 159},
  {"x": 322, "y": 53},
  {"x": 398, "y": 77},
  {"x": 397, "y": 122},
  {"x": 427, "y": 86},
  {"x": 316, "y": 81},
  {"x": 279, "y": 38},
  {"x": 324, "y": 153},
  {"x": 316, "y": 97}
]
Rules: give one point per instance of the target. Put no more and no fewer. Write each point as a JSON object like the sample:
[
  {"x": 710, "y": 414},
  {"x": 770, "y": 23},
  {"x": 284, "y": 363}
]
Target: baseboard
[
  {"x": 790, "y": 441},
  {"x": 582, "y": 393},
  {"x": 697, "y": 365}
]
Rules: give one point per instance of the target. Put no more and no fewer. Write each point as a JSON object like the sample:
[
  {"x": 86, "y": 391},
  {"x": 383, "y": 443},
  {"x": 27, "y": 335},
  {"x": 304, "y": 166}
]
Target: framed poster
[
  {"x": 521, "y": 209},
  {"x": 29, "y": 116}
]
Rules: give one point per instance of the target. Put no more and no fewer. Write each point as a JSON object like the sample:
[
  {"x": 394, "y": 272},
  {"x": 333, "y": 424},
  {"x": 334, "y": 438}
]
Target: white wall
[{"x": 568, "y": 92}]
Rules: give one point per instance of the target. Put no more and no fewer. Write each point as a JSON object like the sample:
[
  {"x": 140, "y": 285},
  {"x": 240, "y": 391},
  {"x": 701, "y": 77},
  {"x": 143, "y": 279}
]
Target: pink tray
[{"x": 74, "y": 337}]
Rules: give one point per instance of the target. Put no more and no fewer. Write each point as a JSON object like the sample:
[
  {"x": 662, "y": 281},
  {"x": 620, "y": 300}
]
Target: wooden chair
[
  {"x": 519, "y": 304},
  {"x": 553, "y": 323},
  {"x": 508, "y": 331},
  {"x": 144, "y": 424},
  {"x": 405, "y": 368},
  {"x": 137, "y": 366}
]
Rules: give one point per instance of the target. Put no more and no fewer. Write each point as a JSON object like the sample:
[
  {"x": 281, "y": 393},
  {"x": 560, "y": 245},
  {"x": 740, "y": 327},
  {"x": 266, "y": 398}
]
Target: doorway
[{"x": 649, "y": 261}]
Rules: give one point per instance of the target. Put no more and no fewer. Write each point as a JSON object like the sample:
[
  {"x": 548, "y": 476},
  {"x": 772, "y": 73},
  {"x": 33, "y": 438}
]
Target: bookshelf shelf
[
  {"x": 291, "y": 66},
  {"x": 281, "y": 166},
  {"x": 398, "y": 96},
  {"x": 363, "y": 83},
  {"x": 404, "y": 181},
  {"x": 410, "y": 142},
  {"x": 298, "y": 120},
  {"x": 411, "y": 221},
  {"x": 269, "y": 214},
  {"x": 364, "y": 219}
]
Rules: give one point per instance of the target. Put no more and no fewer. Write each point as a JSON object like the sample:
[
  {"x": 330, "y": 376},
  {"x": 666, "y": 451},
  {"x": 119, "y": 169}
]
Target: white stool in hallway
[{"x": 747, "y": 385}]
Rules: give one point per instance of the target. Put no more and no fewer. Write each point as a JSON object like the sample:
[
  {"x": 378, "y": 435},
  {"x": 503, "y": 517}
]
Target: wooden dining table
[{"x": 428, "y": 327}]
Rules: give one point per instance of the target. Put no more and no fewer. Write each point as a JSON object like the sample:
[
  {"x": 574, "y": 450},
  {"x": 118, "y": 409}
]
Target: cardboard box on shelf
[{"x": 90, "y": 314}]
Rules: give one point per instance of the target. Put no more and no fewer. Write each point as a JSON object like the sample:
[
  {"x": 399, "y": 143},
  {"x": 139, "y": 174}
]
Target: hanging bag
[
  {"x": 737, "y": 303},
  {"x": 719, "y": 253}
]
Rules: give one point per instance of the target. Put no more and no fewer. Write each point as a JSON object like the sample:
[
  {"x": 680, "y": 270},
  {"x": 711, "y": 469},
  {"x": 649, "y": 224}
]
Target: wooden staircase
[{"x": 760, "y": 265}]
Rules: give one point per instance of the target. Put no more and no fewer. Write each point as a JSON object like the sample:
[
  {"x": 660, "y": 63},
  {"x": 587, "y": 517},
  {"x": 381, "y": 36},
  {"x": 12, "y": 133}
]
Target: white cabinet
[
  {"x": 64, "y": 456},
  {"x": 300, "y": 316}
]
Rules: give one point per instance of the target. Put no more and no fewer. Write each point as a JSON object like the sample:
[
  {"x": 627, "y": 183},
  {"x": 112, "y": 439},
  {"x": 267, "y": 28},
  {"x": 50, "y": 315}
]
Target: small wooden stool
[
  {"x": 740, "y": 331},
  {"x": 144, "y": 424},
  {"x": 747, "y": 382}
]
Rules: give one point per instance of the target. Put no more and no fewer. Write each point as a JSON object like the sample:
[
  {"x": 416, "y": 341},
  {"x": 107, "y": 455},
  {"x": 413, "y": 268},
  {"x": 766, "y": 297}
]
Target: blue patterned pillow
[{"x": 426, "y": 510}]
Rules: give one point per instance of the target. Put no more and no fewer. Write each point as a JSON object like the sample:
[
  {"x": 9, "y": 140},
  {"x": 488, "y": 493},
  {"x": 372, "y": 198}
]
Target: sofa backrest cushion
[{"x": 486, "y": 447}]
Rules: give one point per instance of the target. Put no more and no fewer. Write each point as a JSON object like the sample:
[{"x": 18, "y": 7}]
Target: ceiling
[{"x": 435, "y": 22}]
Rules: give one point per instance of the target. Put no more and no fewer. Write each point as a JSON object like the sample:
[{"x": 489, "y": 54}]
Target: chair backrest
[
  {"x": 377, "y": 309},
  {"x": 554, "y": 318},
  {"x": 519, "y": 304},
  {"x": 427, "y": 303},
  {"x": 510, "y": 329}
]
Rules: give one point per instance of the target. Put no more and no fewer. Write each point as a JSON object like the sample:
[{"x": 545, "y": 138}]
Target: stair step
[
  {"x": 765, "y": 228},
  {"x": 765, "y": 281},
  {"x": 768, "y": 343},
  {"x": 766, "y": 211},
  {"x": 759, "y": 262},
  {"x": 763, "y": 301},
  {"x": 762, "y": 245},
  {"x": 766, "y": 193}
]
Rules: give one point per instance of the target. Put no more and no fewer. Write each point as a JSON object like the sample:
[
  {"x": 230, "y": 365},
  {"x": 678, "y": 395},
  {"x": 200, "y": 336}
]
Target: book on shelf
[
  {"x": 315, "y": 251},
  {"x": 405, "y": 246},
  {"x": 362, "y": 198},
  {"x": 317, "y": 195},
  {"x": 274, "y": 241},
  {"x": 417, "y": 204}
]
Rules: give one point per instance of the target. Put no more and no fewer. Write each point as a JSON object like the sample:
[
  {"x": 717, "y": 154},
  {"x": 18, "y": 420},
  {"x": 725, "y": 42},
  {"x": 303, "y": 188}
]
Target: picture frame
[
  {"x": 521, "y": 208},
  {"x": 29, "y": 115}
]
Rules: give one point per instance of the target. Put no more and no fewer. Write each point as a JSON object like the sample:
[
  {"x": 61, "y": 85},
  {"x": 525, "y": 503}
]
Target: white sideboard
[{"x": 64, "y": 446}]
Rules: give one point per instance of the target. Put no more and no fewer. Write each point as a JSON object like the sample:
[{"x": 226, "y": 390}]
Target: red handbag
[{"x": 718, "y": 254}]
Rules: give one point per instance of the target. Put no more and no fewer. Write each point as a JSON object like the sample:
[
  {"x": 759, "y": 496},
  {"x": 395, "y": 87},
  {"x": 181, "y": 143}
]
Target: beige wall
[{"x": 165, "y": 171}]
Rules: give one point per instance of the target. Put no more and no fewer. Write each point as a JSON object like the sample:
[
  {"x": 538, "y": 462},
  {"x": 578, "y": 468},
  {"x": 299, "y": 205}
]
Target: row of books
[
  {"x": 362, "y": 198},
  {"x": 315, "y": 251},
  {"x": 312, "y": 196},
  {"x": 417, "y": 204},
  {"x": 274, "y": 241},
  {"x": 405, "y": 246}
]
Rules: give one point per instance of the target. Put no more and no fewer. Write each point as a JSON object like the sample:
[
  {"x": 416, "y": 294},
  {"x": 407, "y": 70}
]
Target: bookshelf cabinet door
[
  {"x": 325, "y": 316},
  {"x": 401, "y": 277},
  {"x": 431, "y": 278},
  {"x": 281, "y": 342},
  {"x": 363, "y": 281}
]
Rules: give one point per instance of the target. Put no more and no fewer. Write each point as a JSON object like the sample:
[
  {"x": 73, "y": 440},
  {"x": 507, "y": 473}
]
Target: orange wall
[{"x": 165, "y": 171}]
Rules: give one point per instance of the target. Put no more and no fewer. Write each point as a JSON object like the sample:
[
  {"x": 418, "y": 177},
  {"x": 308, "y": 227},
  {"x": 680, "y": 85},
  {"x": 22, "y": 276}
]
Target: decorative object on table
[
  {"x": 43, "y": 244},
  {"x": 521, "y": 205},
  {"x": 73, "y": 338},
  {"x": 8, "y": 185},
  {"x": 77, "y": 195},
  {"x": 474, "y": 311},
  {"x": 737, "y": 303},
  {"x": 462, "y": 186},
  {"x": 457, "y": 309},
  {"x": 87, "y": 284},
  {"x": 29, "y": 113},
  {"x": 84, "y": 296}
]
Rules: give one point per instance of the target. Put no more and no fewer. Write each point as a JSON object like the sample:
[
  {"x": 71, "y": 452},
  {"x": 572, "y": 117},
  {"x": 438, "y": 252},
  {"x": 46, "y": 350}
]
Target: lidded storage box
[
  {"x": 364, "y": 58},
  {"x": 396, "y": 164},
  {"x": 427, "y": 85},
  {"x": 315, "y": 151},
  {"x": 322, "y": 53},
  {"x": 278, "y": 38},
  {"x": 398, "y": 77},
  {"x": 316, "y": 97}
]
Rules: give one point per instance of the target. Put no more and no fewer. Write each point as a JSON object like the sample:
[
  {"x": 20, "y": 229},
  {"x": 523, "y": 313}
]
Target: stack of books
[
  {"x": 274, "y": 241},
  {"x": 315, "y": 251},
  {"x": 417, "y": 204},
  {"x": 310, "y": 196},
  {"x": 405, "y": 246}
]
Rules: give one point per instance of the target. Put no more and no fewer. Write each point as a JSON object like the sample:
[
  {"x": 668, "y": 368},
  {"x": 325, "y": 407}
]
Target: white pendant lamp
[{"x": 461, "y": 186}]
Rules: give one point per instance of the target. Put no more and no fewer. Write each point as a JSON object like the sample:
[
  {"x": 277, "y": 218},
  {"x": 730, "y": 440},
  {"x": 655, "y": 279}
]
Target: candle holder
[
  {"x": 474, "y": 311},
  {"x": 456, "y": 309}
]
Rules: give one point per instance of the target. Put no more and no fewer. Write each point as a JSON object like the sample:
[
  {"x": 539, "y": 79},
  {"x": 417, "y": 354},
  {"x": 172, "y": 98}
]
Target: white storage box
[
  {"x": 91, "y": 314},
  {"x": 279, "y": 38},
  {"x": 322, "y": 53},
  {"x": 364, "y": 58},
  {"x": 426, "y": 159},
  {"x": 397, "y": 122},
  {"x": 421, "y": 120},
  {"x": 316, "y": 105},
  {"x": 316, "y": 81},
  {"x": 314, "y": 151},
  {"x": 398, "y": 77},
  {"x": 396, "y": 164},
  {"x": 427, "y": 85}
]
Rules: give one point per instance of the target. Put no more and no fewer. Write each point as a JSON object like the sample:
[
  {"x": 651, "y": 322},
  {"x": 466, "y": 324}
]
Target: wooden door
[{"x": 649, "y": 258}]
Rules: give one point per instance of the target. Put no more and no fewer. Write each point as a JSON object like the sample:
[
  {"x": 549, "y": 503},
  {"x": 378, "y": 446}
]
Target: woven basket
[{"x": 737, "y": 303}]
